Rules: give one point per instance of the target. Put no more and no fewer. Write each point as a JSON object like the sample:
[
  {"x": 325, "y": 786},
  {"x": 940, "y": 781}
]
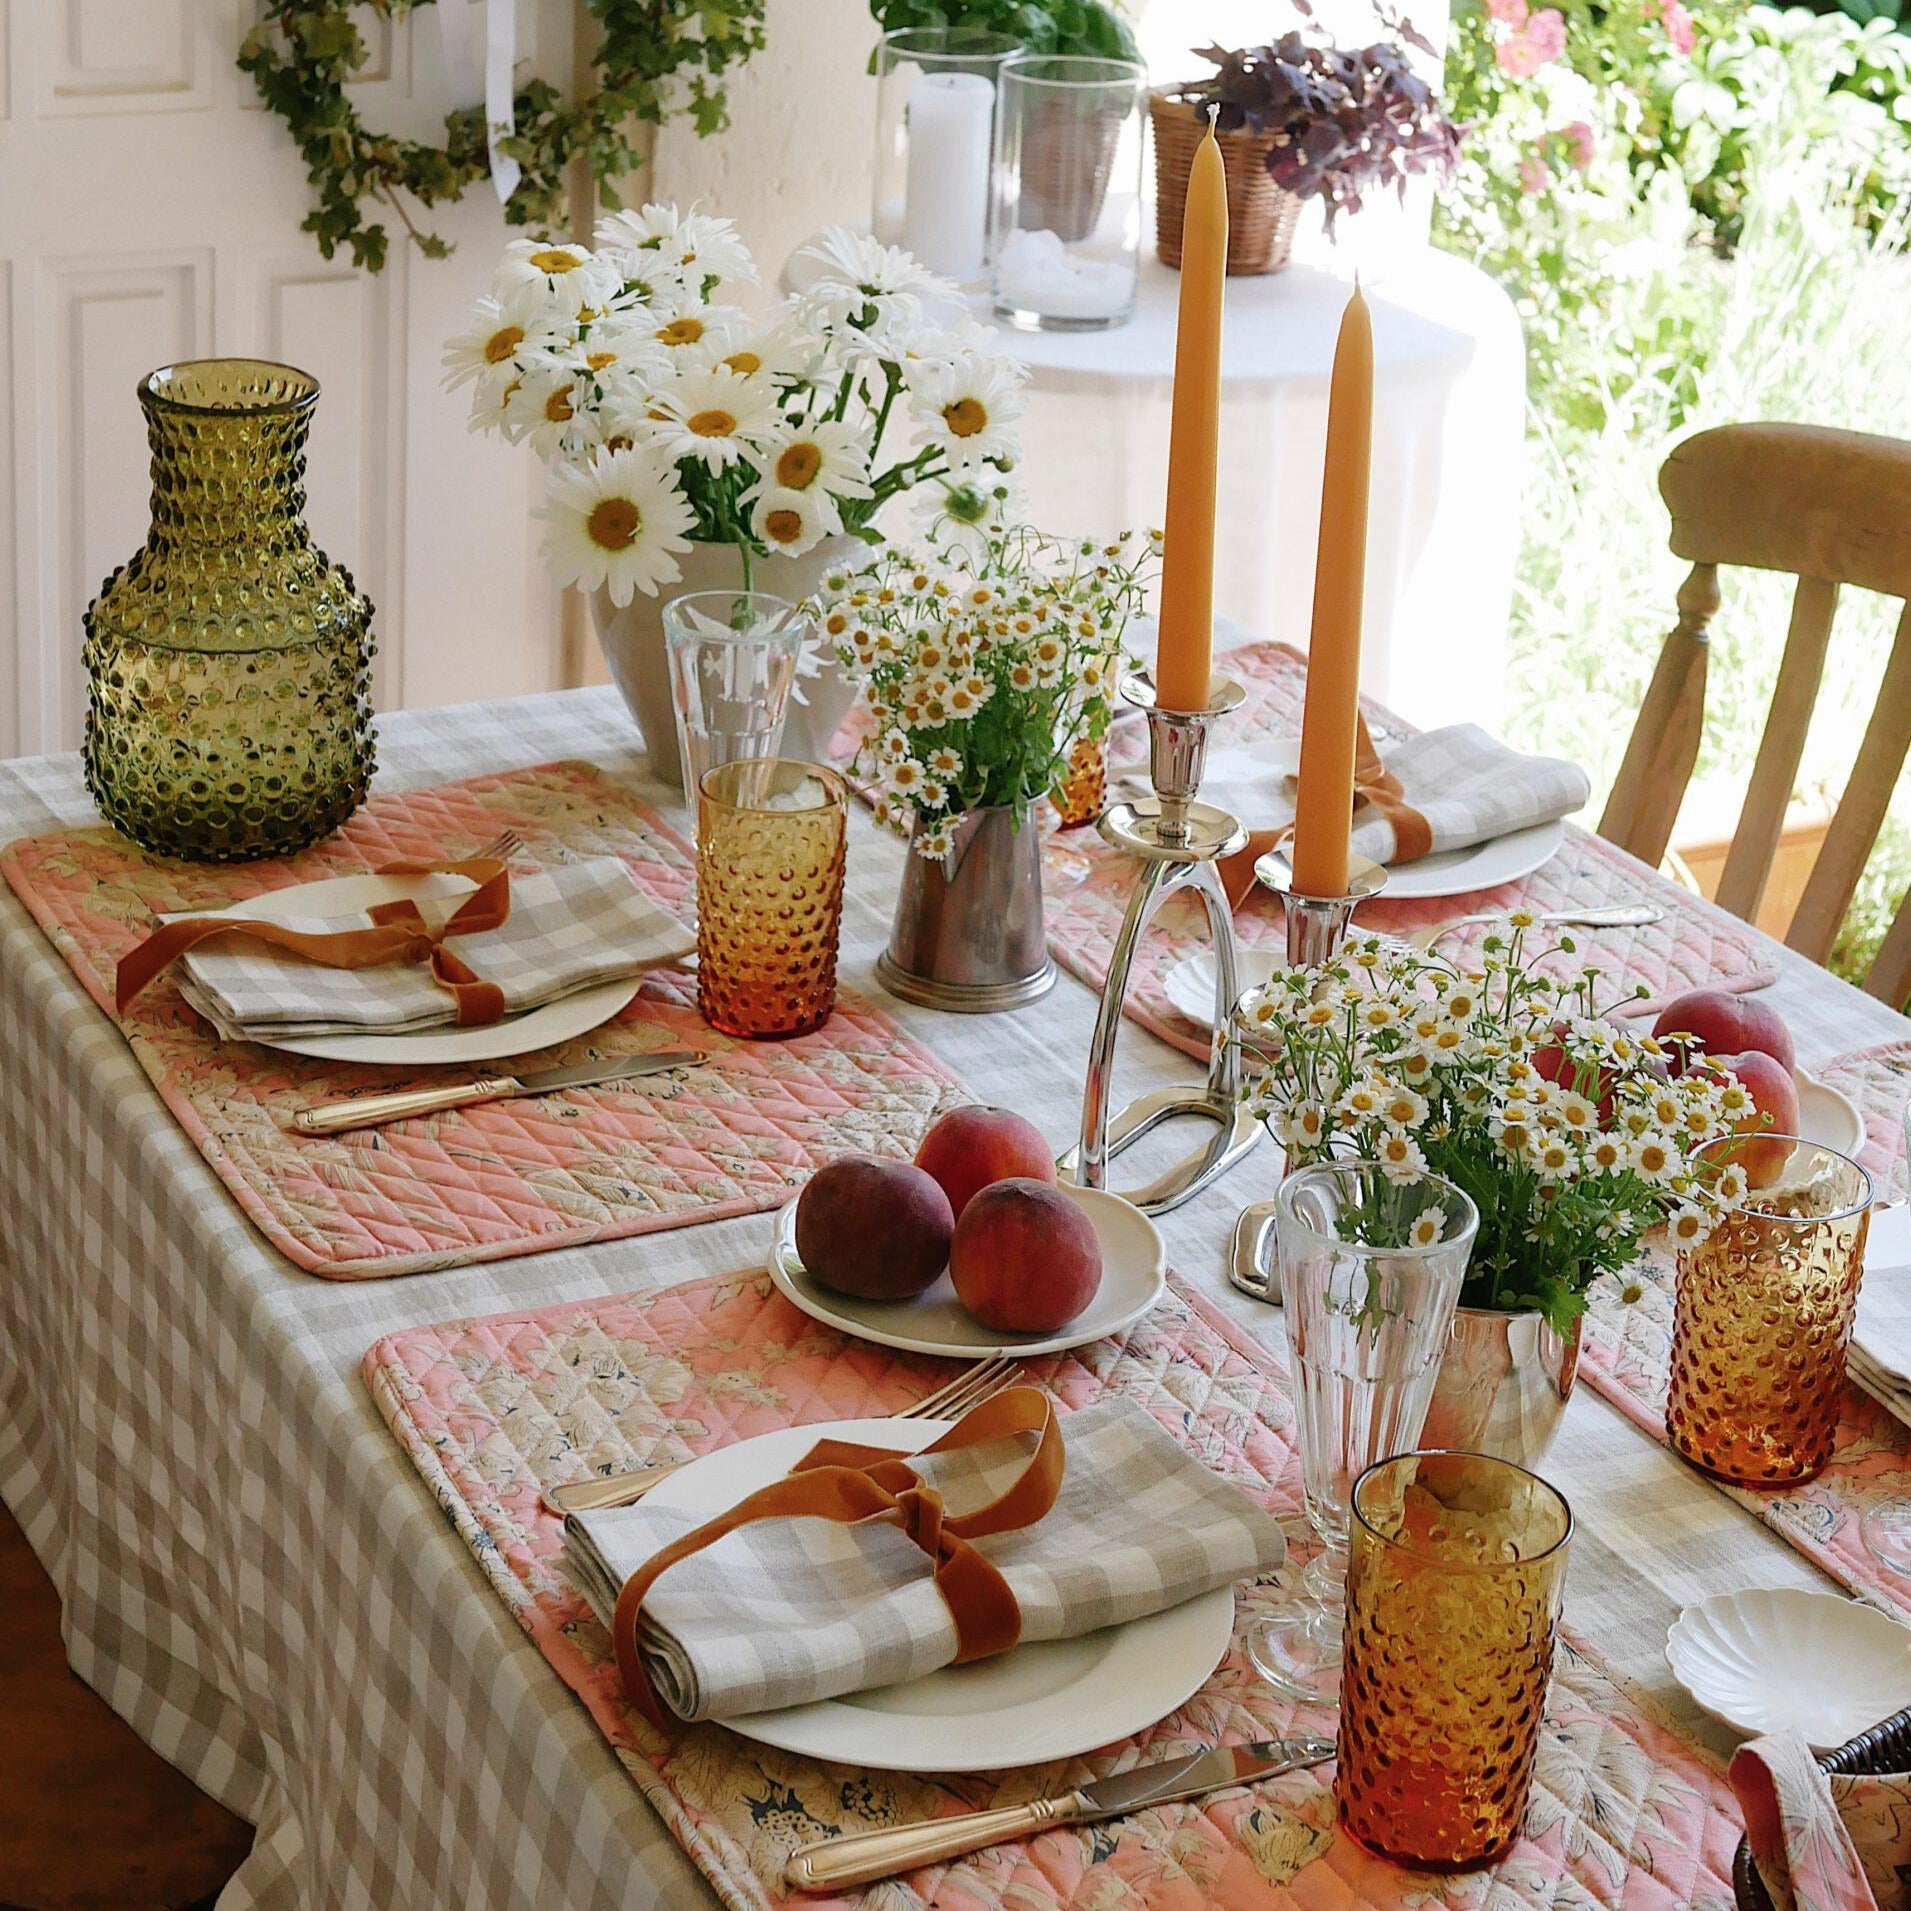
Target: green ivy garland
[{"x": 654, "y": 58}]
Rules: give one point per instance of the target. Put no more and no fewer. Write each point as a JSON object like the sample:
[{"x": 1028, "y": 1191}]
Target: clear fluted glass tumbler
[{"x": 1370, "y": 1269}]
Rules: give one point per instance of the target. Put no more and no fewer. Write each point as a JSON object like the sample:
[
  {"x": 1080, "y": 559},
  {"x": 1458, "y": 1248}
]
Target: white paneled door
[{"x": 149, "y": 210}]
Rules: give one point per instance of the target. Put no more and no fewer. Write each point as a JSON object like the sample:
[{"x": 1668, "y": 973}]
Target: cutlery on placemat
[
  {"x": 1618, "y": 915},
  {"x": 863, "y": 1856},
  {"x": 368, "y": 1111},
  {"x": 968, "y": 1389}
]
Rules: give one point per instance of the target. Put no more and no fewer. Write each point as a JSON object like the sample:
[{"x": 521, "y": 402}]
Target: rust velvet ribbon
[
  {"x": 1374, "y": 784},
  {"x": 837, "y": 1480},
  {"x": 399, "y": 934}
]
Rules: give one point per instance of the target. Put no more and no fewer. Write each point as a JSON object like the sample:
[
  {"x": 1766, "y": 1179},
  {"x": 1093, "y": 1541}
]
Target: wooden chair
[
  {"x": 1831, "y": 508},
  {"x": 90, "y": 1819}
]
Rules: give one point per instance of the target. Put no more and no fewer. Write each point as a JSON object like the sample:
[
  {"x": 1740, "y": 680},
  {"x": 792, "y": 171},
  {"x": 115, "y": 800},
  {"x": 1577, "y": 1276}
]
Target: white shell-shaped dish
[{"x": 1775, "y": 1658}]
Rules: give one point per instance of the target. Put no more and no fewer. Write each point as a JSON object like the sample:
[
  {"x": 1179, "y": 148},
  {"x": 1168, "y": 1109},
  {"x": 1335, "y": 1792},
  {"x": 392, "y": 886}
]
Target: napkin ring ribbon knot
[
  {"x": 839, "y": 1480},
  {"x": 399, "y": 933}
]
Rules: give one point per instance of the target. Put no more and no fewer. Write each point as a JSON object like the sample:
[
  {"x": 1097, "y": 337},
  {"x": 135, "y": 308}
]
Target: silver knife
[
  {"x": 367, "y": 1111},
  {"x": 865, "y": 1855}
]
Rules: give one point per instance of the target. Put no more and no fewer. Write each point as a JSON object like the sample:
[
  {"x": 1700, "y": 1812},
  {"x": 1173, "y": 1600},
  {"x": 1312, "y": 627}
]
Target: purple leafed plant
[{"x": 1343, "y": 121}]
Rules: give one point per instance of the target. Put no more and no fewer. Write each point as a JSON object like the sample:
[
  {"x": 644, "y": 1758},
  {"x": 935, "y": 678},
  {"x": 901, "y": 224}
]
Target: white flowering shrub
[
  {"x": 668, "y": 416},
  {"x": 982, "y": 676},
  {"x": 1573, "y": 1134}
]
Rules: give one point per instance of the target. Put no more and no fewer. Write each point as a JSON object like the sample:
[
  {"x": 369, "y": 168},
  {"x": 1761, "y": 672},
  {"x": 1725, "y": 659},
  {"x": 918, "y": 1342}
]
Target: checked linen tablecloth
[{"x": 255, "y": 1576}]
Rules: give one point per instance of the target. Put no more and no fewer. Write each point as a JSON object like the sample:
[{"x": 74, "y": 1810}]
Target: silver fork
[
  {"x": 501, "y": 847},
  {"x": 981, "y": 1382}
]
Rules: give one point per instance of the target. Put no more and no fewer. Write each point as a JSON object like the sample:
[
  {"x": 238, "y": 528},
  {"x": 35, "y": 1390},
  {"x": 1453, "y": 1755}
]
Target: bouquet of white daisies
[
  {"x": 1575, "y": 1136},
  {"x": 981, "y": 674},
  {"x": 668, "y": 415}
]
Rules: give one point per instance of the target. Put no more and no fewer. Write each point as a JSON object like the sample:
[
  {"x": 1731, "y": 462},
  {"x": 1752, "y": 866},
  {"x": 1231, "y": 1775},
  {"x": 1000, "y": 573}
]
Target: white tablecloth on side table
[{"x": 257, "y": 1579}]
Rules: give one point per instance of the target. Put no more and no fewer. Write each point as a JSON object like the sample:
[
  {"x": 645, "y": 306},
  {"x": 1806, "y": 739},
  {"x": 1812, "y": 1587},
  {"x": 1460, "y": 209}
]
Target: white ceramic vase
[{"x": 633, "y": 641}]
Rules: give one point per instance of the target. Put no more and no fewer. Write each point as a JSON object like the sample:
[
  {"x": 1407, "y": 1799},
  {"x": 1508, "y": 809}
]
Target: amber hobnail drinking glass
[
  {"x": 770, "y": 852},
  {"x": 228, "y": 664},
  {"x": 1453, "y": 1590},
  {"x": 1762, "y": 1316}
]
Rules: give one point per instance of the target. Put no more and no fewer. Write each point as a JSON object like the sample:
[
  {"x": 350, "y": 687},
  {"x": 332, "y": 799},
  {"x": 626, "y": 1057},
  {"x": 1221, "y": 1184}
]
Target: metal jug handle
[{"x": 1251, "y": 1265}]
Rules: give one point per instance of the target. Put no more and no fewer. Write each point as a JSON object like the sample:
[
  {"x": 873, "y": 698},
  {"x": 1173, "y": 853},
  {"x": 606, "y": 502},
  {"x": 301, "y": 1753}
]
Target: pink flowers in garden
[
  {"x": 1677, "y": 21},
  {"x": 1536, "y": 39}
]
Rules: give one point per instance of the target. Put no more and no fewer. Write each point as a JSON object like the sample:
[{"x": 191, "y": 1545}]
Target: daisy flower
[
  {"x": 967, "y": 410},
  {"x": 487, "y": 349},
  {"x": 937, "y": 841},
  {"x": 695, "y": 333},
  {"x": 1688, "y": 1224},
  {"x": 1301, "y": 1126},
  {"x": 783, "y": 352},
  {"x": 698, "y": 245},
  {"x": 1654, "y": 1158},
  {"x": 793, "y": 521},
  {"x": 713, "y": 416},
  {"x": 541, "y": 278},
  {"x": 826, "y": 459},
  {"x": 618, "y": 523},
  {"x": 1429, "y": 1225},
  {"x": 945, "y": 762},
  {"x": 1400, "y": 1158},
  {"x": 550, "y": 409}
]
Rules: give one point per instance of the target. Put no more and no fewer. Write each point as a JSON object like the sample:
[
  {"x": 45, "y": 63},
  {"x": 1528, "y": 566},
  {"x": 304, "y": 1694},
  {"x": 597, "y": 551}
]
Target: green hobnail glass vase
[{"x": 228, "y": 664}]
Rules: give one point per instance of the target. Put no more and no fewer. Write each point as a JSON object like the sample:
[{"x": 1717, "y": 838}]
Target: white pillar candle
[{"x": 946, "y": 187}]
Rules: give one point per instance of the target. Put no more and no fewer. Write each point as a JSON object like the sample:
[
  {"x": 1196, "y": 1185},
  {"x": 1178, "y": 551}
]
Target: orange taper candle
[
  {"x": 1184, "y": 652},
  {"x": 1324, "y": 804}
]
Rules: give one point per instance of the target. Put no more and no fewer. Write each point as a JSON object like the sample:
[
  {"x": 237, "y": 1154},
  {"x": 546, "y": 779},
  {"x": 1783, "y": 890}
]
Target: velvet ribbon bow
[
  {"x": 399, "y": 933},
  {"x": 1374, "y": 785},
  {"x": 838, "y": 1480}
]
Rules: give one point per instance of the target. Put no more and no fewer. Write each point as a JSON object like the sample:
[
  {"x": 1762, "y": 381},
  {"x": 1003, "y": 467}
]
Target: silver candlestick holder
[
  {"x": 1316, "y": 928},
  {"x": 1179, "y": 841}
]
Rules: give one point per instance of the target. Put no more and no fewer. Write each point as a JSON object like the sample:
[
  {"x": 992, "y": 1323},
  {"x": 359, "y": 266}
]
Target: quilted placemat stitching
[
  {"x": 1878, "y": 1080},
  {"x": 733, "y": 1137},
  {"x": 1624, "y": 1811}
]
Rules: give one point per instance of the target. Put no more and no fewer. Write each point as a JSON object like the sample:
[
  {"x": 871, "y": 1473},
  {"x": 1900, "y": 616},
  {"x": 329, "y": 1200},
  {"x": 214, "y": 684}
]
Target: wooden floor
[{"x": 90, "y": 1820}]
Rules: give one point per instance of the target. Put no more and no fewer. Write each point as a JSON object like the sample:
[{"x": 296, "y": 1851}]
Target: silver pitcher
[
  {"x": 1503, "y": 1385},
  {"x": 969, "y": 934}
]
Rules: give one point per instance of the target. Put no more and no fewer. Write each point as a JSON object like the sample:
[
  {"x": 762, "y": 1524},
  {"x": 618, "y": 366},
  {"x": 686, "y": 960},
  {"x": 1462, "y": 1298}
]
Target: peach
[
  {"x": 877, "y": 1229},
  {"x": 970, "y": 1147},
  {"x": 1764, "y": 1152},
  {"x": 1025, "y": 1259},
  {"x": 1724, "y": 1024}
]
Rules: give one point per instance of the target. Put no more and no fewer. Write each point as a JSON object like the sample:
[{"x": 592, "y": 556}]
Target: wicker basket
[
  {"x": 1885, "y": 1748},
  {"x": 1261, "y": 215}
]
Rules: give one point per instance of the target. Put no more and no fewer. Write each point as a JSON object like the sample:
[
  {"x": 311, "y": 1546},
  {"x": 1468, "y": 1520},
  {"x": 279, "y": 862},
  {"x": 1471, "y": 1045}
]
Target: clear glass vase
[{"x": 228, "y": 662}]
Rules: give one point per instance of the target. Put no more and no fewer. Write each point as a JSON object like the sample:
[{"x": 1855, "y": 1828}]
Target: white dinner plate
[
  {"x": 422, "y": 1048},
  {"x": 1777, "y": 1658},
  {"x": 1134, "y": 1270},
  {"x": 1053, "y": 1700},
  {"x": 1452, "y": 872}
]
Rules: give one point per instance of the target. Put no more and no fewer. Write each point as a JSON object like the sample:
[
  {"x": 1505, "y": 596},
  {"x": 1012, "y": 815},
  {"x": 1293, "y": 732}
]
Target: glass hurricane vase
[{"x": 228, "y": 662}]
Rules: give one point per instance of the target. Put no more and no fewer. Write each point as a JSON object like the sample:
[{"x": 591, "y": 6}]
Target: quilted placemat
[
  {"x": 1624, "y": 1811},
  {"x": 1626, "y": 1352},
  {"x": 1088, "y": 883},
  {"x": 733, "y": 1136},
  {"x": 1878, "y": 1080}
]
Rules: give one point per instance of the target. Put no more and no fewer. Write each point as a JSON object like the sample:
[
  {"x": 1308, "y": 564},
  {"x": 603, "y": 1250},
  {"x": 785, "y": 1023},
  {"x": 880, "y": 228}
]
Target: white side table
[{"x": 1448, "y": 424}]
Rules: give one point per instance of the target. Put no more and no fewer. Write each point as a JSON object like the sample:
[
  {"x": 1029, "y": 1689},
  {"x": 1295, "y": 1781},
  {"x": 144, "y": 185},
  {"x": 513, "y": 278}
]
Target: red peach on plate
[
  {"x": 879, "y": 1230},
  {"x": 968, "y": 1148},
  {"x": 1725, "y": 1024},
  {"x": 1025, "y": 1258},
  {"x": 1770, "y": 1122}
]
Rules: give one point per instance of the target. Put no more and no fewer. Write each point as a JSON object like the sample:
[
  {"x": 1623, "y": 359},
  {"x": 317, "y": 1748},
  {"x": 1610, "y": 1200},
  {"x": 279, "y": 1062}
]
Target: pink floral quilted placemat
[
  {"x": 733, "y": 1136},
  {"x": 1088, "y": 883},
  {"x": 1624, "y": 1811},
  {"x": 1878, "y": 1080},
  {"x": 1626, "y": 1353}
]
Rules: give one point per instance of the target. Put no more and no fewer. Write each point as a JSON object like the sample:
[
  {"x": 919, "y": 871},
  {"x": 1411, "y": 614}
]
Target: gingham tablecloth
[{"x": 256, "y": 1578}]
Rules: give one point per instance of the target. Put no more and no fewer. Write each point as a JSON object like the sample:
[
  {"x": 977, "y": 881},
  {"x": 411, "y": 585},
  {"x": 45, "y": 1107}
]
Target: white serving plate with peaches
[{"x": 1134, "y": 1270}]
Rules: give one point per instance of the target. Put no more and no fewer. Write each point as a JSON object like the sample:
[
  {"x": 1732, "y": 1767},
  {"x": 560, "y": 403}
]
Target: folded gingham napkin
[
  {"x": 1879, "y": 1358},
  {"x": 1468, "y": 785},
  {"x": 571, "y": 927},
  {"x": 788, "y": 1611}
]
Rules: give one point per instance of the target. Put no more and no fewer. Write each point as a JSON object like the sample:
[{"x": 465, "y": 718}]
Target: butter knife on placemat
[
  {"x": 863, "y": 1856},
  {"x": 368, "y": 1111}
]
